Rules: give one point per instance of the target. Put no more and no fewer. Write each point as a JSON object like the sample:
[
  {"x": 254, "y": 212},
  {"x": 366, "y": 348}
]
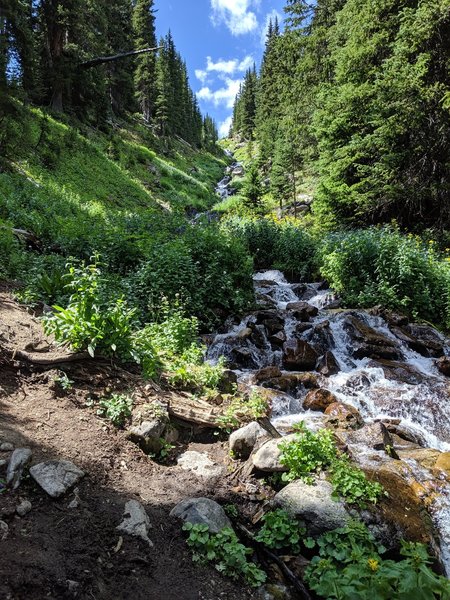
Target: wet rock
[
  {"x": 443, "y": 462},
  {"x": 302, "y": 327},
  {"x": 23, "y": 508},
  {"x": 238, "y": 172},
  {"x": 267, "y": 373},
  {"x": 6, "y": 447},
  {"x": 228, "y": 382},
  {"x": 273, "y": 325},
  {"x": 373, "y": 435},
  {"x": 328, "y": 364},
  {"x": 368, "y": 343},
  {"x": 243, "y": 440},
  {"x": 426, "y": 340},
  {"x": 136, "y": 522},
  {"x": 202, "y": 511},
  {"x": 443, "y": 364},
  {"x": 343, "y": 416},
  {"x": 56, "y": 477},
  {"x": 392, "y": 318},
  {"x": 319, "y": 399},
  {"x": 314, "y": 505},
  {"x": 200, "y": 464},
  {"x": 302, "y": 310},
  {"x": 277, "y": 339},
  {"x": 425, "y": 457},
  {"x": 243, "y": 358},
  {"x": 321, "y": 337},
  {"x": 244, "y": 333},
  {"x": 292, "y": 383},
  {"x": 17, "y": 463},
  {"x": 298, "y": 355},
  {"x": 267, "y": 458},
  {"x": 398, "y": 371},
  {"x": 407, "y": 433}
]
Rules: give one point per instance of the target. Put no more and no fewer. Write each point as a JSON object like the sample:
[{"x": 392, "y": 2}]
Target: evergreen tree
[{"x": 145, "y": 73}]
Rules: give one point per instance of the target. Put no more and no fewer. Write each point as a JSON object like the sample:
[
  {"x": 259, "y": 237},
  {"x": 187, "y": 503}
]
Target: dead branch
[{"x": 99, "y": 60}]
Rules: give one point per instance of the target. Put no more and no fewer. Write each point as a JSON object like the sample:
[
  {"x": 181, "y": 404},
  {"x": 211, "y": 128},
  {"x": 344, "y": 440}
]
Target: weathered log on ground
[{"x": 193, "y": 410}]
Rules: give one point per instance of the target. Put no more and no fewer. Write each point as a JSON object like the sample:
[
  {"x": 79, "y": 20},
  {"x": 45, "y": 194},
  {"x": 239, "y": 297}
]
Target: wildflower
[{"x": 373, "y": 564}]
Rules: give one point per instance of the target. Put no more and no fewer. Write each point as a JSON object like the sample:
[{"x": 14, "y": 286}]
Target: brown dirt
[{"x": 54, "y": 545}]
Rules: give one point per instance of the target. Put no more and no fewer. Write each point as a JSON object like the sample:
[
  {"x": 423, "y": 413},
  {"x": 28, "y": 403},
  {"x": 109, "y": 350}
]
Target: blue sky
[{"x": 220, "y": 40}]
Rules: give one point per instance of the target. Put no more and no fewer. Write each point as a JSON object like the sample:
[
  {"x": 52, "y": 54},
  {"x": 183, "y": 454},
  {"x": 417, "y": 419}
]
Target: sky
[{"x": 219, "y": 40}]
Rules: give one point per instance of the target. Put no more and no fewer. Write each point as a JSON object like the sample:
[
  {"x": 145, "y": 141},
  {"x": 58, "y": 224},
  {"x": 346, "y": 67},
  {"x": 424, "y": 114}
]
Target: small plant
[
  {"x": 243, "y": 410},
  {"x": 281, "y": 532},
  {"x": 309, "y": 453},
  {"x": 2, "y": 485},
  {"x": 63, "y": 381},
  {"x": 231, "y": 510},
  {"x": 225, "y": 551},
  {"x": 350, "y": 483},
  {"x": 116, "y": 408}
]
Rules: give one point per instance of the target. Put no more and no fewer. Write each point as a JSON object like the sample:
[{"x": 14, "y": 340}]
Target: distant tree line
[
  {"x": 52, "y": 54},
  {"x": 357, "y": 94}
]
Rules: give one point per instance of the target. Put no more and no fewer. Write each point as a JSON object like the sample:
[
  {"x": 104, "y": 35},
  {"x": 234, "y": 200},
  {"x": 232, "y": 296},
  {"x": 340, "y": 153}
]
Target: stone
[
  {"x": 267, "y": 373},
  {"x": 443, "y": 462},
  {"x": 149, "y": 433},
  {"x": 292, "y": 383},
  {"x": 244, "y": 333},
  {"x": 443, "y": 364},
  {"x": 425, "y": 340},
  {"x": 319, "y": 399},
  {"x": 200, "y": 464},
  {"x": 243, "y": 440},
  {"x": 136, "y": 522},
  {"x": 328, "y": 364},
  {"x": 23, "y": 508},
  {"x": 298, "y": 355},
  {"x": 202, "y": 511},
  {"x": 314, "y": 505},
  {"x": 343, "y": 416},
  {"x": 368, "y": 343},
  {"x": 398, "y": 371},
  {"x": 4, "y": 530},
  {"x": 374, "y": 435},
  {"x": 277, "y": 339},
  {"x": 273, "y": 325},
  {"x": 17, "y": 463},
  {"x": 237, "y": 172},
  {"x": 267, "y": 458},
  {"x": 56, "y": 477},
  {"x": 274, "y": 591},
  {"x": 228, "y": 382},
  {"x": 302, "y": 310},
  {"x": 6, "y": 447}
]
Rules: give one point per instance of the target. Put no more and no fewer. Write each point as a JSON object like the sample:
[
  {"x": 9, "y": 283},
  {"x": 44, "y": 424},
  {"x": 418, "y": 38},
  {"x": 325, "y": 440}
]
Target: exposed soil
[{"x": 59, "y": 552}]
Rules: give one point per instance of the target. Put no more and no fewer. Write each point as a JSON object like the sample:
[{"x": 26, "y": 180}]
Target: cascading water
[{"x": 382, "y": 370}]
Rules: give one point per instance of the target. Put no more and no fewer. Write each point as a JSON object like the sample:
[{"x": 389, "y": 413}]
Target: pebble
[
  {"x": 136, "y": 521},
  {"x": 23, "y": 508},
  {"x": 18, "y": 461},
  {"x": 3, "y": 530},
  {"x": 6, "y": 447},
  {"x": 56, "y": 477}
]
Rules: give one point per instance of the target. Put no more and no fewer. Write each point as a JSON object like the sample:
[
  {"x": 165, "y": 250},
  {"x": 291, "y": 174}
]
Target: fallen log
[{"x": 193, "y": 410}]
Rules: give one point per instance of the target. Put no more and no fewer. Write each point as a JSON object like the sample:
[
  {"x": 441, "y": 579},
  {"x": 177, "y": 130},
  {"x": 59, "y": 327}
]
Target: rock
[
  {"x": 72, "y": 586},
  {"x": 277, "y": 339},
  {"x": 298, "y": 355},
  {"x": 443, "y": 364},
  {"x": 425, "y": 340},
  {"x": 302, "y": 310},
  {"x": 374, "y": 435},
  {"x": 243, "y": 358},
  {"x": 369, "y": 343},
  {"x": 321, "y": 337},
  {"x": 443, "y": 462},
  {"x": 150, "y": 433},
  {"x": 244, "y": 333},
  {"x": 319, "y": 399},
  {"x": 23, "y": 508},
  {"x": 398, "y": 371},
  {"x": 267, "y": 373},
  {"x": 18, "y": 461},
  {"x": 314, "y": 505},
  {"x": 6, "y": 447},
  {"x": 56, "y": 477},
  {"x": 3, "y": 462},
  {"x": 136, "y": 521},
  {"x": 243, "y": 440},
  {"x": 274, "y": 591},
  {"x": 328, "y": 364},
  {"x": 273, "y": 325},
  {"x": 238, "y": 172},
  {"x": 228, "y": 382},
  {"x": 292, "y": 382},
  {"x": 343, "y": 416},
  {"x": 202, "y": 511},
  {"x": 267, "y": 458},
  {"x": 4, "y": 530},
  {"x": 200, "y": 464}
]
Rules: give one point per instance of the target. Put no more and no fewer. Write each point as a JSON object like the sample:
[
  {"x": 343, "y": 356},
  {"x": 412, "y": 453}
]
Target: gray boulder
[
  {"x": 314, "y": 505},
  {"x": 243, "y": 440},
  {"x": 136, "y": 521},
  {"x": 200, "y": 464},
  {"x": 267, "y": 458},
  {"x": 202, "y": 511},
  {"x": 18, "y": 461},
  {"x": 56, "y": 477}
]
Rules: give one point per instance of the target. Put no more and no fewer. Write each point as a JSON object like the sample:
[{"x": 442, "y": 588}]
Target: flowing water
[{"x": 411, "y": 390}]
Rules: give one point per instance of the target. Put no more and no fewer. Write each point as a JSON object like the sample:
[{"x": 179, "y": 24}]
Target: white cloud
[
  {"x": 224, "y": 95},
  {"x": 224, "y": 127},
  {"x": 228, "y": 67},
  {"x": 236, "y": 15},
  {"x": 201, "y": 75}
]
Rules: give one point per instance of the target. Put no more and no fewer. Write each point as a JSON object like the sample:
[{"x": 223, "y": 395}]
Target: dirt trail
[{"x": 58, "y": 552}]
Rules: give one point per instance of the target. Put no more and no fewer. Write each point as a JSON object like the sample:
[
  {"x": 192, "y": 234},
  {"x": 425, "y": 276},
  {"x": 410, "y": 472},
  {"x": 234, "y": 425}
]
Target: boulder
[
  {"x": 443, "y": 462},
  {"x": 273, "y": 325},
  {"x": 202, "y": 511},
  {"x": 302, "y": 310},
  {"x": 328, "y": 364},
  {"x": 200, "y": 464},
  {"x": 277, "y": 339},
  {"x": 267, "y": 458},
  {"x": 374, "y": 435},
  {"x": 17, "y": 463},
  {"x": 136, "y": 521},
  {"x": 314, "y": 505},
  {"x": 319, "y": 399},
  {"x": 153, "y": 422},
  {"x": 56, "y": 477},
  {"x": 243, "y": 440},
  {"x": 23, "y": 508},
  {"x": 398, "y": 371},
  {"x": 426, "y": 340},
  {"x": 369, "y": 343},
  {"x": 6, "y": 447},
  {"x": 343, "y": 416},
  {"x": 228, "y": 381},
  {"x": 443, "y": 364},
  {"x": 293, "y": 382},
  {"x": 267, "y": 373},
  {"x": 298, "y": 355},
  {"x": 238, "y": 172}
]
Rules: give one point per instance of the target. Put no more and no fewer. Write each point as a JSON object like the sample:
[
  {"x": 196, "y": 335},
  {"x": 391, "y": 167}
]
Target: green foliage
[
  {"x": 351, "y": 484},
  {"x": 383, "y": 266},
  {"x": 243, "y": 410},
  {"x": 116, "y": 408},
  {"x": 12, "y": 257},
  {"x": 63, "y": 381},
  {"x": 281, "y": 532},
  {"x": 349, "y": 565},
  {"x": 252, "y": 187},
  {"x": 309, "y": 453},
  {"x": 225, "y": 551}
]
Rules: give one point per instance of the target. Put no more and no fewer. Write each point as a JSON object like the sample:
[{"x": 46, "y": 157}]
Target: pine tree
[{"x": 145, "y": 73}]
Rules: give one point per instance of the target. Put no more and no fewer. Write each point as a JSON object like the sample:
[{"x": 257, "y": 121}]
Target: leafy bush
[
  {"x": 225, "y": 551},
  {"x": 116, "y": 408},
  {"x": 349, "y": 565},
  {"x": 383, "y": 266},
  {"x": 12, "y": 259},
  {"x": 281, "y": 532},
  {"x": 351, "y": 484},
  {"x": 243, "y": 410}
]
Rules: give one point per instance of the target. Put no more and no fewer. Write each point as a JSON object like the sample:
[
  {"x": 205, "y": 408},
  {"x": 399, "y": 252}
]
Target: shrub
[
  {"x": 116, "y": 408},
  {"x": 12, "y": 256},
  {"x": 281, "y": 532},
  {"x": 243, "y": 410}
]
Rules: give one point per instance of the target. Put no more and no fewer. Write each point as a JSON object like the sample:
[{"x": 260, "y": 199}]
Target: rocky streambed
[{"x": 380, "y": 381}]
